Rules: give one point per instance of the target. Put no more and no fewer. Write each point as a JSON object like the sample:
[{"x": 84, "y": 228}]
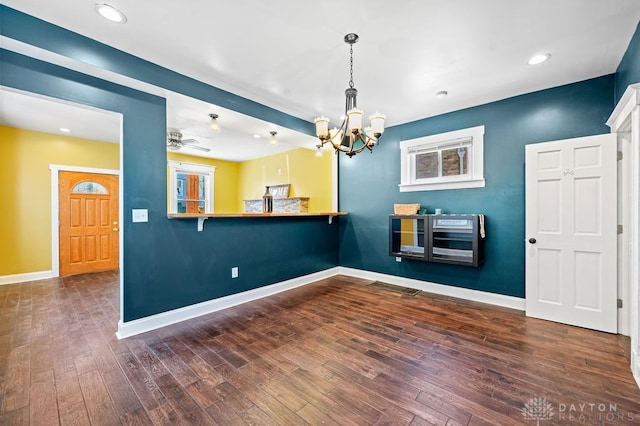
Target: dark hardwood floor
[{"x": 333, "y": 352}]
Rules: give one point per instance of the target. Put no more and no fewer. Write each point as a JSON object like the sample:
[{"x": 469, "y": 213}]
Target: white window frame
[
  {"x": 176, "y": 167},
  {"x": 472, "y": 137}
]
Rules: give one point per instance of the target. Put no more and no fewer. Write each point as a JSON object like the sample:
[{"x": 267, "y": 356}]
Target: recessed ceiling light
[
  {"x": 111, "y": 13},
  {"x": 257, "y": 136},
  {"x": 442, "y": 94},
  {"x": 538, "y": 59},
  {"x": 64, "y": 130}
]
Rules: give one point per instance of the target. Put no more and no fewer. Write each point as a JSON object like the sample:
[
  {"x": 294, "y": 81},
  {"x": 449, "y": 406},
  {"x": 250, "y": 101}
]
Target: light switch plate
[{"x": 139, "y": 215}]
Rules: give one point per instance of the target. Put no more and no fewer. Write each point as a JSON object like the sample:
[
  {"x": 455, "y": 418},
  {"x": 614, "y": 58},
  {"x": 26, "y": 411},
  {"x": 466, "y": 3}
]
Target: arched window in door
[{"x": 89, "y": 187}]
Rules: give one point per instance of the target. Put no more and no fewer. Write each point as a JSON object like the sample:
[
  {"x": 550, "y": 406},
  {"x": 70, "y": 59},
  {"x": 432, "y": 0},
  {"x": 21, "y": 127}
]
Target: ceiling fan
[{"x": 175, "y": 142}]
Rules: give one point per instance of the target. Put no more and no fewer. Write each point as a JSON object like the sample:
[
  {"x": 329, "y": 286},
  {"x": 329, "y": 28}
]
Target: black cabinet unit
[
  {"x": 454, "y": 239},
  {"x": 408, "y": 236},
  {"x": 457, "y": 239}
]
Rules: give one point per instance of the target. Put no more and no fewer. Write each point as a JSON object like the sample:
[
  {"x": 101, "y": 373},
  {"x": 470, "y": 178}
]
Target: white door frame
[
  {"x": 626, "y": 118},
  {"x": 55, "y": 209}
]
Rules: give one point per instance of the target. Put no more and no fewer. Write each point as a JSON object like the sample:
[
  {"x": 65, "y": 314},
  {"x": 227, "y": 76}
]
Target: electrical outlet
[
  {"x": 234, "y": 272},
  {"x": 398, "y": 259}
]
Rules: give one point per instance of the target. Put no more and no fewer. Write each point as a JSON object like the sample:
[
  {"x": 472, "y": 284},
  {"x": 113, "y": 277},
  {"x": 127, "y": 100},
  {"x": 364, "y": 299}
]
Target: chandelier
[{"x": 351, "y": 138}]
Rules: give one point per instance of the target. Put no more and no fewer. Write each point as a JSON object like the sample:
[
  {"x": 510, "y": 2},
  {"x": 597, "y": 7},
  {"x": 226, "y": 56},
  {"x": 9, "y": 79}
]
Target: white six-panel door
[{"x": 571, "y": 232}]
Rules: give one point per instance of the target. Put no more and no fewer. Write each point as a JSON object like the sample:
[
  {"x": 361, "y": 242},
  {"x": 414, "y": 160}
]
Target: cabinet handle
[{"x": 532, "y": 240}]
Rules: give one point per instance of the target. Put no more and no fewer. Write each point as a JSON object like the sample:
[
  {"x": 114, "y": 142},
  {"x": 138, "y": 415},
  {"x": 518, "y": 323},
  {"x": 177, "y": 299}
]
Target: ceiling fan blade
[
  {"x": 200, "y": 148},
  {"x": 188, "y": 141}
]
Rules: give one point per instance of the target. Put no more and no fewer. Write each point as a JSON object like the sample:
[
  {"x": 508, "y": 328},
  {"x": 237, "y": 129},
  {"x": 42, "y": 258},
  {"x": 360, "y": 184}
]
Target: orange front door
[{"x": 88, "y": 222}]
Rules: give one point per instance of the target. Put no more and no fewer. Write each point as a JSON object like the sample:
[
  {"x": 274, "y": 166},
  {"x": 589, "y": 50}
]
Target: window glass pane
[
  {"x": 191, "y": 192},
  {"x": 201, "y": 192},
  {"x": 89, "y": 187},
  {"x": 426, "y": 165},
  {"x": 454, "y": 161},
  {"x": 181, "y": 187}
]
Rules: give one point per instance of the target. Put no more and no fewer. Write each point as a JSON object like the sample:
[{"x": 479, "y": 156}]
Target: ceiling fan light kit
[
  {"x": 350, "y": 138},
  {"x": 175, "y": 142},
  {"x": 213, "y": 123}
]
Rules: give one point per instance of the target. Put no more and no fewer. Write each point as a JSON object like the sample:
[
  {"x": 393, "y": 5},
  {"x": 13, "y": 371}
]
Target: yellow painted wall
[
  {"x": 225, "y": 180},
  {"x": 309, "y": 176},
  {"x": 25, "y": 216}
]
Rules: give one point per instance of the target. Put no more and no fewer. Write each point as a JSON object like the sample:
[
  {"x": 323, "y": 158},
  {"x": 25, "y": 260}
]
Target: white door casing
[
  {"x": 625, "y": 118},
  {"x": 571, "y": 232}
]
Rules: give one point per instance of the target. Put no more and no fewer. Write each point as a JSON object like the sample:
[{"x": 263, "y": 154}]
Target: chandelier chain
[{"x": 351, "y": 65}]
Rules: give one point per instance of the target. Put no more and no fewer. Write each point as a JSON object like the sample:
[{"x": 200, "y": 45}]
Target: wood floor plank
[
  {"x": 122, "y": 395},
  {"x": 43, "y": 407},
  {"x": 17, "y": 417},
  {"x": 224, "y": 415},
  {"x": 97, "y": 400},
  {"x": 188, "y": 410},
  {"x": 17, "y": 379},
  {"x": 333, "y": 352},
  {"x": 74, "y": 414}
]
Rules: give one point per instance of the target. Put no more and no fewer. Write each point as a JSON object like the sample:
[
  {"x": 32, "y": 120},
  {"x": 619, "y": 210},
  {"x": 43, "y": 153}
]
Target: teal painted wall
[
  {"x": 628, "y": 71},
  {"x": 369, "y": 183},
  {"x": 167, "y": 264}
]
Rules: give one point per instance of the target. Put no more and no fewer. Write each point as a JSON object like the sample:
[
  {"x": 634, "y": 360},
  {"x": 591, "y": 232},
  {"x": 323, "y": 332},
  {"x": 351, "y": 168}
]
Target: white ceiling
[{"x": 290, "y": 54}]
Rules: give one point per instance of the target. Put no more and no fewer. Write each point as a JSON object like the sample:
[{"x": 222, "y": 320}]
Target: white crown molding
[{"x": 630, "y": 99}]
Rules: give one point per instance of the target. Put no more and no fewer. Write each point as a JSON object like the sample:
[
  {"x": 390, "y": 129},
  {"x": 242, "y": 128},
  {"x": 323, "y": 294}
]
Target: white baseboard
[
  {"x": 142, "y": 325},
  {"x": 445, "y": 290},
  {"x": 29, "y": 276},
  {"x": 635, "y": 365}
]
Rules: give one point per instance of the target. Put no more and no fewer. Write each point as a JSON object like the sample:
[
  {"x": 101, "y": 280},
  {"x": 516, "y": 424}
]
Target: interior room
[{"x": 186, "y": 238}]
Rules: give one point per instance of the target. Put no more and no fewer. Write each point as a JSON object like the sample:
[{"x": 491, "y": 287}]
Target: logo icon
[{"x": 537, "y": 409}]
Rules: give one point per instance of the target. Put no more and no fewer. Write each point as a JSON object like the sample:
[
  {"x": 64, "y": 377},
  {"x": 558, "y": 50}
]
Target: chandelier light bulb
[
  {"x": 322, "y": 127},
  {"x": 355, "y": 120},
  {"x": 377, "y": 123}
]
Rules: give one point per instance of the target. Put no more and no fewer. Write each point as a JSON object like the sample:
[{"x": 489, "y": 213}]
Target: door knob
[
  {"x": 532, "y": 240},
  {"x": 116, "y": 229}
]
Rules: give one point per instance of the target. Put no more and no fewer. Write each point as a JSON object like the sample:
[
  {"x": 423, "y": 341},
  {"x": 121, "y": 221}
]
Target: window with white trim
[
  {"x": 451, "y": 160},
  {"x": 190, "y": 188}
]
